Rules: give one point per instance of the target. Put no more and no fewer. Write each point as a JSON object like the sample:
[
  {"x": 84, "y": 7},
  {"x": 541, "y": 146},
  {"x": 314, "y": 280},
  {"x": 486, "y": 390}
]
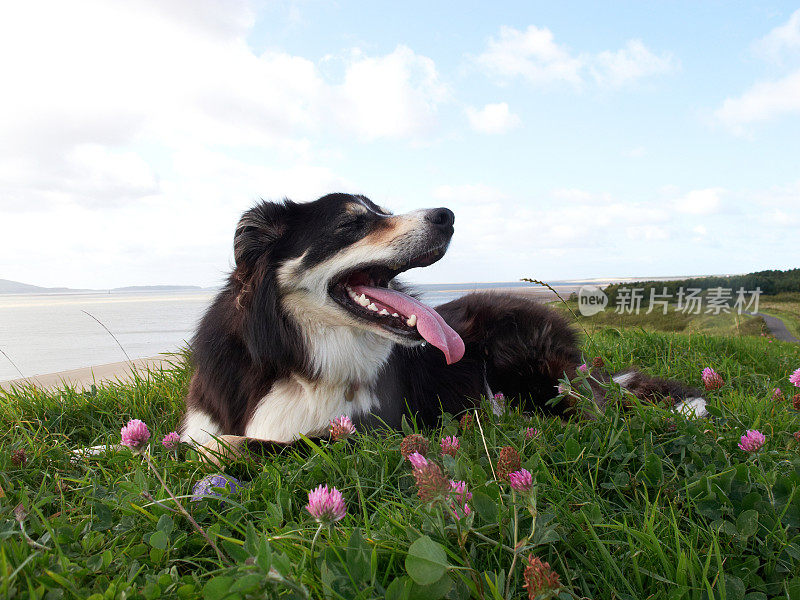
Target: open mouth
[{"x": 365, "y": 293}]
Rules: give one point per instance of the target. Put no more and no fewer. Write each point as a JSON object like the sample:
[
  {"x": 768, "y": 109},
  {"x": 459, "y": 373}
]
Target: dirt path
[{"x": 778, "y": 328}]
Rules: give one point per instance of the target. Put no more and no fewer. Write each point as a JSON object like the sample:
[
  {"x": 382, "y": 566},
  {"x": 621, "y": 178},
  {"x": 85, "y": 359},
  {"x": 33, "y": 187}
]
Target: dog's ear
[
  {"x": 264, "y": 329},
  {"x": 256, "y": 233}
]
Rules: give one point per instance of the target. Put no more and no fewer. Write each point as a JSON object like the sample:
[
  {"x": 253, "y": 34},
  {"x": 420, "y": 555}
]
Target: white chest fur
[
  {"x": 347, "y": 363},
  {"x": 295, "y": 406}
]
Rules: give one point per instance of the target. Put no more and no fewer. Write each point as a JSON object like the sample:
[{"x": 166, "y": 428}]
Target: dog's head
[{"x": 332, "y": 262}]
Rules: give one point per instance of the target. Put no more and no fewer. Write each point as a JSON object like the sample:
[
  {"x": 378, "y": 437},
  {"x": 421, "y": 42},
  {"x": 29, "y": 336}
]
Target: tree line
[{"x": 769, "y": 282}]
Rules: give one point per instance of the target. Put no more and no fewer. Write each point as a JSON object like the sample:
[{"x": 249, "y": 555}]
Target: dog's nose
[{"x": 441, "y": 217}]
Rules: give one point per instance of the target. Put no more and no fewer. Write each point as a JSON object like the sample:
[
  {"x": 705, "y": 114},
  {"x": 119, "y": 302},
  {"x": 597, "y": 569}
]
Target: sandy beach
[{"x": 84, "y": 378}]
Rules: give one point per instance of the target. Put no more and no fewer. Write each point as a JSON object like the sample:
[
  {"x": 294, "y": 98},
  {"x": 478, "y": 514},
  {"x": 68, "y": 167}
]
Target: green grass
[
  {"x": 637, "y": 503},
  {"x": 673, "y": 321}
]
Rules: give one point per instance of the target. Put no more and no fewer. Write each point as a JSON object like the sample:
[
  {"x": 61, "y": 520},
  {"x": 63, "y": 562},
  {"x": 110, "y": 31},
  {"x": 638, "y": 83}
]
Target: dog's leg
[
  {"x": 80, "y": 453},
  {"x": 685, "y": 399},
  {"x": 226, "y": 448},
  {"x": 221, "y": 449}
]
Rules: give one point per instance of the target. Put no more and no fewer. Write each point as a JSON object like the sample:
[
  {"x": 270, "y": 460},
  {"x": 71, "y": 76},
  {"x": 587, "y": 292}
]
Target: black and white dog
[{"x": 312, "y": 324}]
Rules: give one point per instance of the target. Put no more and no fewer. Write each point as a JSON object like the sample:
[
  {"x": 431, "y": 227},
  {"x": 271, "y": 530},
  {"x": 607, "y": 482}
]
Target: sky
[{"x": 572, "y": 140}]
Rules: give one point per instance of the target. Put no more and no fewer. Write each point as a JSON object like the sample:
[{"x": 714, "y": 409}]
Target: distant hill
[
  {"x": 15, "y": 287},
  {"x": 156, "y": 288}
]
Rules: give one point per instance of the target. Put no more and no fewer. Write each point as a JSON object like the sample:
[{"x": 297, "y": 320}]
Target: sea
[{"x": 49, "y": 333}]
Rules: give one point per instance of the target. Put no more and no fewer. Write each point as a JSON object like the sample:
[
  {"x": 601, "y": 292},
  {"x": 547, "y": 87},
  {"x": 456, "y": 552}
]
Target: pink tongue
[{"x": 430, "y": 324}]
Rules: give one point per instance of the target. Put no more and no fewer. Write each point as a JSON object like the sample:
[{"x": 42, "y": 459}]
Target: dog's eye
[{"x": 351, "y": 222}]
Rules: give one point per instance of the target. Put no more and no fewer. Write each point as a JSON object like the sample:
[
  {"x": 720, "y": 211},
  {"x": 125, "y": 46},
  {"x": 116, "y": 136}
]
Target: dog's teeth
[
  {"x": 412, "y": 321},
  {"x": 383, "y": 312},
  {"x": 372, "y": 306},
  {"x": 395, "y": 315},
  {"x": 362, "y": 300}
]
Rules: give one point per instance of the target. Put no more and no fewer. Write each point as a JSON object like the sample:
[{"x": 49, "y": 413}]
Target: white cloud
[
  {"x": 781, "y": 219},
  {"x": 699, "y": 202},
  {"x": 134, "y": 134},
  {"x": 392, "y": 96},
  {"x": 767, "y": 100},
  {"x": 534, "y": 55},
  {"x": 114, "y": 76},
  {"x": 492, "y": 118},
  {"x": 501, "y": 236},
  {"x": 777, "y": 207},
  {"x": 634, "y": 61},
  {"x": 577, "y": 227},
  {"x": 784, "y": 38},
  {"x": 763, "y": 101},
  {"x": 181, "y": 235}
]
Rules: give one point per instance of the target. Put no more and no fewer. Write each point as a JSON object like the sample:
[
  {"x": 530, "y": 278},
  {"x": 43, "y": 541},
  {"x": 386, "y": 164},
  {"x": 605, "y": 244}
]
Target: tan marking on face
[{"x": 389, "y": 230}]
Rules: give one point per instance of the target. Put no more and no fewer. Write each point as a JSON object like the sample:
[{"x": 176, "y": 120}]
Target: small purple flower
[
  {"x": 712, "y": 380},
  {"x": 794, "y": 378},
  {"x": 326, "y": 505},
  {"x": 450, "y": 445},
  {"x": 563, "y": 388},
  {"x": 461, "y": 495},
  {"x": 498, "y": 403},
  {"x": 584, "y": 368},
  {"x": 204, "y": 487},
  {"x": 417, "y": 461},
  {"x": 531, "y": 432},
  {"x": 341, "y": 428},
  {"x": 521, "y": 481},
  {"x": 135, "y": 435},
  {"x": 171, "y": 440},
  {"x": 752, "y": 441},
  {"x": 777, "y": 394}
]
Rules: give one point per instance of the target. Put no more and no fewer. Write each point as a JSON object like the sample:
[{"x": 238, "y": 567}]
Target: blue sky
[{"x": 572, "y": 140}]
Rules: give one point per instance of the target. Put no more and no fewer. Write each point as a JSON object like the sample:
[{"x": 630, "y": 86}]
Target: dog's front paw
[
  {"x": 222, "y": 449},
  {"x": 82, "y": 453}
]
